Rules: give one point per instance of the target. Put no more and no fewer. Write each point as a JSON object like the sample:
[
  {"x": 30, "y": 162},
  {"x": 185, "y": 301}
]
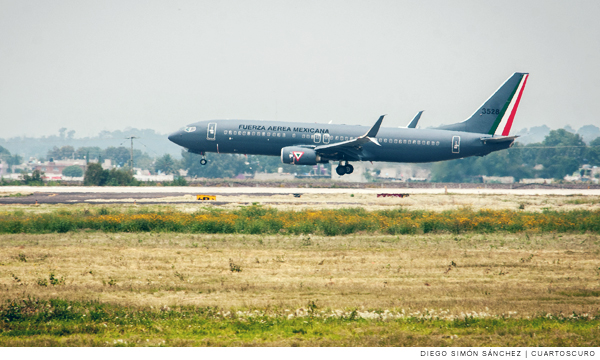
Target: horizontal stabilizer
[{"x": 499, "y": 139}]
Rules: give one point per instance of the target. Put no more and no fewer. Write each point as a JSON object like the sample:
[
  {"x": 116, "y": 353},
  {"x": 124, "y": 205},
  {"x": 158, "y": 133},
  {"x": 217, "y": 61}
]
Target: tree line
[{"x": 561, "y": 153}]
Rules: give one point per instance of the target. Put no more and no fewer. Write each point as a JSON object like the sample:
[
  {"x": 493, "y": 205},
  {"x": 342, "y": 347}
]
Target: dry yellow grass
[
  {"x": 436, "y": 202},
  {"x": 520, "y": 274}
]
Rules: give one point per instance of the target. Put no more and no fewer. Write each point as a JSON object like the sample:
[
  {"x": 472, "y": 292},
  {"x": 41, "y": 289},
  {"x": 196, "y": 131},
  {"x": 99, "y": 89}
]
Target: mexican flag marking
[{"x": 298, "y": 155}]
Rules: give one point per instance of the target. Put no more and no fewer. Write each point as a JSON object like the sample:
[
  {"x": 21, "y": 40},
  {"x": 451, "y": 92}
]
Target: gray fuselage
[{"x": 269, "y": 137}]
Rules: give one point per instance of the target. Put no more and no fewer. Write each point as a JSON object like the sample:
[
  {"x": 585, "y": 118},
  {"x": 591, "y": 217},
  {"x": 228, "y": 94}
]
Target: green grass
[
  {"x": 256, "y": 219},
  {"x": 57, "y": 322}
]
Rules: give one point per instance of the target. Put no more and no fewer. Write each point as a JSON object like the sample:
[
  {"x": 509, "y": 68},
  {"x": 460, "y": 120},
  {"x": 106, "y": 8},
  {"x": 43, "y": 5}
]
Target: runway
[{"x": 225, "y": 194}]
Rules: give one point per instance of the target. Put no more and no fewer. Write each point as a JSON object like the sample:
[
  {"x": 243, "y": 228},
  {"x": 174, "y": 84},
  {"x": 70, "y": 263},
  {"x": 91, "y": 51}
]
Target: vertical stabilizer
[{"x": 497, "y": 113}]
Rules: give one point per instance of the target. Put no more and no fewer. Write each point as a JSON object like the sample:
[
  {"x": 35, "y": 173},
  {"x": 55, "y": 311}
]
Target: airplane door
[
  {"x": 456, "y": 144},
  {"x": 317, "y": 138},
  {"x": 325, "y": 138},
  {"x": 211, "y": 131}
]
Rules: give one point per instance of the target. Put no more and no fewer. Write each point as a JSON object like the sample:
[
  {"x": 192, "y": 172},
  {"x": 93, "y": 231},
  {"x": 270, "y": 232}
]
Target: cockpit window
[{"x": 189, "y": 129}]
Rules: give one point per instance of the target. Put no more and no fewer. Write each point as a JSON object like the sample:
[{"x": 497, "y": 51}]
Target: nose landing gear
[
  {"x": 203, "y": 161},
  {"x": 344, "y": 169}
]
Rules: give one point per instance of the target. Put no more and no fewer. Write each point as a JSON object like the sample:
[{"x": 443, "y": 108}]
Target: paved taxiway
[
  {"x": 175, "y": 195},
  {"x": 225, "y": 190}
]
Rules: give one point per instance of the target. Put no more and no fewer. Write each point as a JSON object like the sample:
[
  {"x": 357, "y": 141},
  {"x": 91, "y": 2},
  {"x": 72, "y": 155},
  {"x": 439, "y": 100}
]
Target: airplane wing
[{"x": 353, "y": 148}]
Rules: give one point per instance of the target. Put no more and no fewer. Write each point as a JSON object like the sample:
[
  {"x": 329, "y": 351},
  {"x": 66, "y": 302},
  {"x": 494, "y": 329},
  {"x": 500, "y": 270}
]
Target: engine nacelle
[{"x": 296, "y": 155}]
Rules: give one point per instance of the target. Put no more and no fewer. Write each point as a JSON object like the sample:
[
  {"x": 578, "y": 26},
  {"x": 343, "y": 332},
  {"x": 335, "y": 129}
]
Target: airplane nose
[{"x": 176, "y": 137}]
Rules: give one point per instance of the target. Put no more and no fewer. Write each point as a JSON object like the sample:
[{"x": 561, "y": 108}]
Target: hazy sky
[{"x": 108, "y": 65}]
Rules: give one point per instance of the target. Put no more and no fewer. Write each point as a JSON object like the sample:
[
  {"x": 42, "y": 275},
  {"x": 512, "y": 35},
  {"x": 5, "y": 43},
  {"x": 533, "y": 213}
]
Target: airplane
[{"x": 485, "y": 131}]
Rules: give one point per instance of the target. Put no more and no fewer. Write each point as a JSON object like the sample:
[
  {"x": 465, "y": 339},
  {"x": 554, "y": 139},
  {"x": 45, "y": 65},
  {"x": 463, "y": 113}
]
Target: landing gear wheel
[
  {"x": 349, "y": 169},
  {"x": 340, "y": 170},
  {"x": 203, "y": 162}
]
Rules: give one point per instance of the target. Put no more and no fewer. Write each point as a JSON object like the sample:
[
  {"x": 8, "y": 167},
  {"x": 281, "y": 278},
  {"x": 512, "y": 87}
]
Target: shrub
[{"x": 73, "y": 171}]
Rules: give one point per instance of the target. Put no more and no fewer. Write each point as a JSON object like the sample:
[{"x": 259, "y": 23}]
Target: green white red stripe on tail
[{"x": 504, "y": 121}]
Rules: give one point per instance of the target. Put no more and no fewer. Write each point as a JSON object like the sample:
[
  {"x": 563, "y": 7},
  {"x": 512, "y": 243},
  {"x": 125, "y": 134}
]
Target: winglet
[
  {"x": 415, "y": 120},
  {"x": 375, "y": 129}
]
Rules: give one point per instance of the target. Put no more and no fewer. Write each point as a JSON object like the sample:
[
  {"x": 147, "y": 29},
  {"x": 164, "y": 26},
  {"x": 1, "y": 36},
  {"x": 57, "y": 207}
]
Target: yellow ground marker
[{"x": 206, "y": 197}]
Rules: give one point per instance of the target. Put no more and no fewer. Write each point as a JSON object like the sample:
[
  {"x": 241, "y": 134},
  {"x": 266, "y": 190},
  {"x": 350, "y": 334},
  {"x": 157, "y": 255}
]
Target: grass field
[
  {"x": 525, "y": 288},
  {"x": 257, "y": 219}
]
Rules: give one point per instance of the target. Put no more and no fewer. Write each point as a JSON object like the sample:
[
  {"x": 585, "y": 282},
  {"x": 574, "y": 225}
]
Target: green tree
[
  {"x": 563, "y": 154},
  {"x": 4, "y": 152},
  {"x": 13, "y": 160},
  {"x": 592, "y": 154},
  {"x": 119, "y": 155},
  {"x": 35, "y": 179},
  {"x": 94, "y": 152},
  {"x": 64, "y": 152},
  {"x": 219, "y": 165},
  {"x": 95, "y": 175},
  {"x": 118, "y": 177},
  {"x": 166, "y": 164},
  {"x": 501, "y": 163},
  {"x": 73, "y": 171}
]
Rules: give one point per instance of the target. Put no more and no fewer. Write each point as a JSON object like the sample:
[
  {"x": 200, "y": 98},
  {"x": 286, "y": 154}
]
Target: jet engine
[{"x": 297, "y": 155}]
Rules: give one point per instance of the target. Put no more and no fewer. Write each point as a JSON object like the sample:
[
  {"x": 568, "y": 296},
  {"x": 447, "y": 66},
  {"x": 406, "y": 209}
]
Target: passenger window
[
  {"x": 243, "y": 133},
  {"x": 225, "y": 133},
  {"x": 278, "y": 134},
  {"x": 428, "y": 142},
  {"x": 230, "y": 132},
  {"x": 253, "y": 133},
  {"x": 346, "y": 138},
  {"x": 384, "y": 140},
  {"x": 293, "y": 135},
  {"x": 235, "y": 133},
  {"x": 395, "y": 141},
  {"x": 437, "y": 143},
  {"x": 283, "y": 135}
]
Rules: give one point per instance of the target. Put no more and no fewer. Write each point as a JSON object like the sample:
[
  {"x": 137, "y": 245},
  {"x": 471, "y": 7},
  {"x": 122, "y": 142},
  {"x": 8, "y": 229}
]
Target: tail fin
[{"x": 497, "y": 113}]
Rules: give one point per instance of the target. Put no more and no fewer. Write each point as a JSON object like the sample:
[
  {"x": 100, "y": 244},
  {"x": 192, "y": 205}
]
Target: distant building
[
  {"x": 154, "y": 178},
  {"x": 53, "y": 169},
  {"x": 498, "y": 179},
  {"x": 586, "y": 173},
  {"x": 107, "y": 164},
  {"x": 536, "y": 181}
]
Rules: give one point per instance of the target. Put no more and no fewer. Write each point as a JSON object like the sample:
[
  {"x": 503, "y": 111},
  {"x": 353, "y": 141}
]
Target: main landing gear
[{"x": 344, "y": 169}]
